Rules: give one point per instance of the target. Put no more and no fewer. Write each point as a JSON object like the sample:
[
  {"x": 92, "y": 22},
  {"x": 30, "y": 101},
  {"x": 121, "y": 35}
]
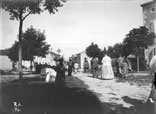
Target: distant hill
[{"x": 4, "y": 52}]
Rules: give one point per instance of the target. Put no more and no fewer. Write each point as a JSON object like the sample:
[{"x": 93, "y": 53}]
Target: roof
[
  {"x": 131, "y": 56},
  {"x": 4, "y": 52},
  {"x": 81, "y": 52},
  {"x": 54, "y": 53},
  {"x": 148, "y": 3}
]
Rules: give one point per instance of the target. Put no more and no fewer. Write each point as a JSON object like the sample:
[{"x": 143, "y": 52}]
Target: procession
[
  {"x": 78, "y": 57},
  {"x": 70, "y": 67}
]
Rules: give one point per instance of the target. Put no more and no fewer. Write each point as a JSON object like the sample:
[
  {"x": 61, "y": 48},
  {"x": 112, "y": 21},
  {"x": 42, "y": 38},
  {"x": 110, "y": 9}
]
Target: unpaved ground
[
  {"x": 115, "y": 90},
  {"x": 107, "y": 90},
  {"x": 117, "y": 96}
]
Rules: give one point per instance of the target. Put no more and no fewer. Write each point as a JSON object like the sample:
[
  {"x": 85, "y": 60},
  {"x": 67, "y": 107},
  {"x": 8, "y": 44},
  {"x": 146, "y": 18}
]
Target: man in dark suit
[
  {"x": 70, "y": 67},
  {"x": 94, "y": 66}
]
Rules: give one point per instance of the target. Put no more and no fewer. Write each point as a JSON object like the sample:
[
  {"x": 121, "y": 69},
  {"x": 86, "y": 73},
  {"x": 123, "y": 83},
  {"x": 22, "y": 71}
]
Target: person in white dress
[
  {"x": 50, "y": 75},
  {"x": 107, "y": 71},
  {"x": 76, "y": 67}
]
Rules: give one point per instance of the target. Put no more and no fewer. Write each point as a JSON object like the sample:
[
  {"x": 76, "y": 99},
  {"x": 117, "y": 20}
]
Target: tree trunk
[
  {"x": 138, "y": 64},
  {"x": 13, "y": 66},
  {"x": 20, "y": 51},
  {"x": 31, "y": 65}
]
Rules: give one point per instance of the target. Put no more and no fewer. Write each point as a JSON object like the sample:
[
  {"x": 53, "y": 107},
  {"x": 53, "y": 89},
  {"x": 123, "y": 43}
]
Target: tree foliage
[
  {"x": 33, "y": 44},
  {"x": 116, "y": 50},
  {"x": 110, "y": 51},
  {"x": 21, "y": 9},
  {"x": 101, "y": 55},
  {"x": 93, "y": 50},
  {"x": 13, "y": 52},
  {"x": 137, "y": 40}
]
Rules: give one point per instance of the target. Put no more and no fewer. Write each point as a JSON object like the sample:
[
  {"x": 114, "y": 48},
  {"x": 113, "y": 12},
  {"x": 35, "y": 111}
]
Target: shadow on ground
[
  {"x": 135, "y": 79},
  {"x": 137, "y": 107},
  {"x": 38, "y": 97}
]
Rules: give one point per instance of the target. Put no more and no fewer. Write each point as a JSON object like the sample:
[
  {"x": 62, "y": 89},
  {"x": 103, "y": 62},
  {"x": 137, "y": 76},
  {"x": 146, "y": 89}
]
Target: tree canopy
[
  {"x": 13, "y": 52},
  {"x": 137, "y": 40},
  {"x": 93, "y": 50},
  {"x": 33, "y": 44},
  {"x": 116, "y": 50},
  {"x": 20, "y": 9}
]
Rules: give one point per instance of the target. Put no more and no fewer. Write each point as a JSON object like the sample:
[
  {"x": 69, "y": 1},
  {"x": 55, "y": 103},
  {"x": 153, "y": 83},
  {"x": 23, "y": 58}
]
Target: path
[{"x": 110, "y": 90}]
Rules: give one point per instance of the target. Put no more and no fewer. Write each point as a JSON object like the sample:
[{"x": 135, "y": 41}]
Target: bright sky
[{"x": 78, "y": 23}]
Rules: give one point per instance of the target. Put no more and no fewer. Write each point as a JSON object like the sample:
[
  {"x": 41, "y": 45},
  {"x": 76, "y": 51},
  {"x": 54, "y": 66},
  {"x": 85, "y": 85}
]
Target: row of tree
[{"x": 135, "y": 42}]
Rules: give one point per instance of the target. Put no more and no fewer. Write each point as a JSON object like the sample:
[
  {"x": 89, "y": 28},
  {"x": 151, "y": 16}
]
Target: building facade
[
  {"x": 5, "y": 63},
  {"x": 149, "y": 20},
  {"x": 48, "y": 59},
  {"x": 80, "y": 58}
]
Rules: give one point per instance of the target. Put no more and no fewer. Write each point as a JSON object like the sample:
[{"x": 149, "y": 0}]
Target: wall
[
  {"x": 5, "y": 63},
  {"x": 149, "y": 16},
  {"x": 149, "y": 20},
  {"x": 83, "y": 56}
]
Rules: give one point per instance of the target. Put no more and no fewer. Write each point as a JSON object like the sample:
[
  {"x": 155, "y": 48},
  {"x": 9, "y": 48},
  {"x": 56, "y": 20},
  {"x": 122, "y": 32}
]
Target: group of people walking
[
  {"x": 60, "y": 68},
  {"x": 57, "y": 72},
  {"x": 107, "y": 70},
  {"x": 72, "y": 67},
  {"x": 123, "y": 66}
]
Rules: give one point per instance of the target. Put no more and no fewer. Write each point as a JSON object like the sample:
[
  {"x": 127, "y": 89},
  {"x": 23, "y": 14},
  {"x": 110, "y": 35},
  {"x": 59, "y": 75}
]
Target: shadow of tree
[
  {"x": 38, "y": 97},
  {"x": 35, "y": 79},
  {"x": 137, "y": 107},
  {"x": 132, "y": 79}
]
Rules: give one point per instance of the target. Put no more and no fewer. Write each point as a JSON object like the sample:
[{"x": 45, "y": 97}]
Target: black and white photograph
[{"x": 77, "y": 56}]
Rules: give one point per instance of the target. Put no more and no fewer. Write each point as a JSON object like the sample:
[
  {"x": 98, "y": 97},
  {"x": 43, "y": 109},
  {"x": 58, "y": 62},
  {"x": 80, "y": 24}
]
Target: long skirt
[
  {"x": 43, "y": 71},
  {"x": 107, "y": 71},
  {"x": 60, "y": 80},
  {"x": 51, "y": 75}
]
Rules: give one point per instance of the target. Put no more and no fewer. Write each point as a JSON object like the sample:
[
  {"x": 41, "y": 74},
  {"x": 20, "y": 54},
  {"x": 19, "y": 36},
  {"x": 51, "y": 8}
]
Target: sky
[{"x": 79, "y": 23}]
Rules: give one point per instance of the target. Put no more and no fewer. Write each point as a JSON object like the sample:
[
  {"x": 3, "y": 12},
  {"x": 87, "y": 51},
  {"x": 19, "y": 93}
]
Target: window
[
  {"x": 152, "y": 10},
  {"x": 151, "y": 27}
]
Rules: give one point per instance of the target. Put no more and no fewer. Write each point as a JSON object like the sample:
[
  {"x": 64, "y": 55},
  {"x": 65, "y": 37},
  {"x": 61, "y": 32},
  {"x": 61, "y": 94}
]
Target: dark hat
[{"x": 60, "y": 58}]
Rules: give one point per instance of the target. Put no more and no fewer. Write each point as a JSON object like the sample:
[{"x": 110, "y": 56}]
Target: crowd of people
[
  {"x": 122, "y": 64},
  {"x": 56, "y": 73},
  {"x": 107, "y": 70}
]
